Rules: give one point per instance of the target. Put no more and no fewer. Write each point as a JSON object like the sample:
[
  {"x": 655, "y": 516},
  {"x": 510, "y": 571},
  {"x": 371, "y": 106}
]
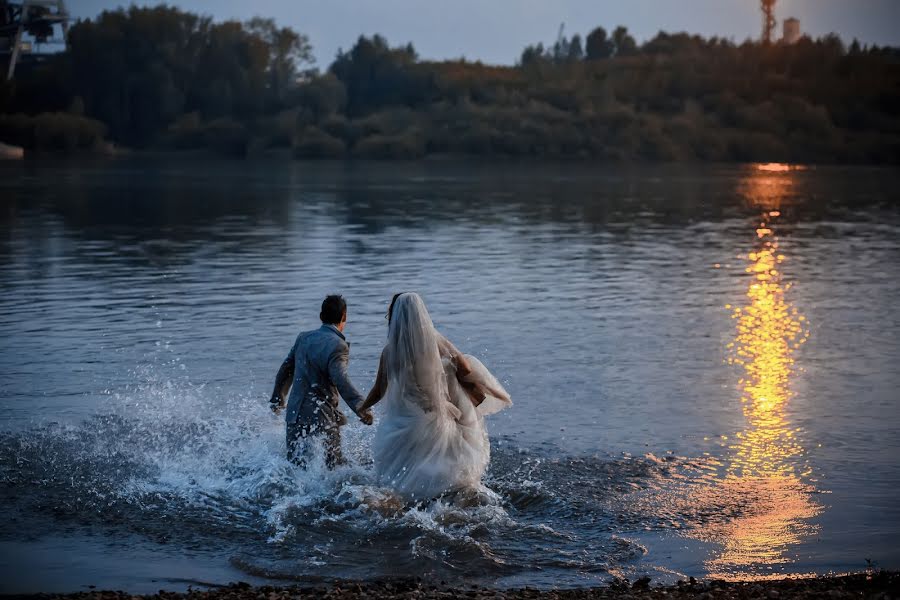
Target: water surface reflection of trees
[{"x": 169, "y": 211}]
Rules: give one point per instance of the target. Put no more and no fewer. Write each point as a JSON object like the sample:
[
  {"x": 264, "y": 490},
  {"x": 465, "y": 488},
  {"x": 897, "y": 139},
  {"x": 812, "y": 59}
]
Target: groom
[{"x": 317, "y": 368}]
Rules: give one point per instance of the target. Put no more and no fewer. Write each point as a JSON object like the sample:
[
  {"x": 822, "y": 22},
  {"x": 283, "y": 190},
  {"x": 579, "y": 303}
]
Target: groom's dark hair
[{"x": 334, "y": 308}]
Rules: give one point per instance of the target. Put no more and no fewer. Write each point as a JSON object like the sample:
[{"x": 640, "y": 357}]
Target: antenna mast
[{"x": 769, "y": 23}]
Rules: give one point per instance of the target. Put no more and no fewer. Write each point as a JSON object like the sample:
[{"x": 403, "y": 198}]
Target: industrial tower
[
  {"x": 35, "y": 18},
  {"x": 769, "y": 22}
]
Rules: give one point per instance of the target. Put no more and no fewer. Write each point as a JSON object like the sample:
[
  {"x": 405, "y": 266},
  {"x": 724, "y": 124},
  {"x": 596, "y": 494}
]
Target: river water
[{"x": 704, "y": 360}]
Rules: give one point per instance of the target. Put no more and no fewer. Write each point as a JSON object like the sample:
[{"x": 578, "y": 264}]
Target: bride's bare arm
[
  {"x": 473, "y": 390},
  {"x": 380, "y": 387}
]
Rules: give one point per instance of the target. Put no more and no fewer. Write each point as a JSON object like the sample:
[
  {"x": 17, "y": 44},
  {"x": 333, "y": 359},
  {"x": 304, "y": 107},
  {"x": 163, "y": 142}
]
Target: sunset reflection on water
[{"x": 765, "y": 481}]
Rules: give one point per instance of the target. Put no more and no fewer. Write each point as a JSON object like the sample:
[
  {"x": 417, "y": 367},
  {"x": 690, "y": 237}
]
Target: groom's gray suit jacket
[{"x": 317, "y": 365}]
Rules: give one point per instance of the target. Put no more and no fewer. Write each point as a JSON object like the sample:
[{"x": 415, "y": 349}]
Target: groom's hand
[
  {"x": 366, "y": 416},
  {"x": 275, "y": 404}
]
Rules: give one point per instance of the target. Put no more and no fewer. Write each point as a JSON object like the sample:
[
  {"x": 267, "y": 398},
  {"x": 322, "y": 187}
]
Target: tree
[
  {"x": 598, "y": 45},
  {"x": 321, "y": 97},
  {"x": 289, "y": 51},
  {"x": 576, "y": 51},
  {"x": 833, "y": 45},
  {"x": 376, "y": 75},
  {"x": 231, "y": 70},
  {"x": 532, "y": 55},
  {"x": 133, "y": 68},
  {"x": 139, "y": 69},
  {"x": 624, "y": 43}
]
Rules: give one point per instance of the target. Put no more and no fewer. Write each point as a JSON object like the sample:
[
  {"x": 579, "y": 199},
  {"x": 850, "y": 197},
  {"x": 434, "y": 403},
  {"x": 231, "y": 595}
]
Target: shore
[{"x": 880, "y": 585}]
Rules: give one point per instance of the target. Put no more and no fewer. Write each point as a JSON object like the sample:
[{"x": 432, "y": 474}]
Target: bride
[{"x": 432, "y": 437}]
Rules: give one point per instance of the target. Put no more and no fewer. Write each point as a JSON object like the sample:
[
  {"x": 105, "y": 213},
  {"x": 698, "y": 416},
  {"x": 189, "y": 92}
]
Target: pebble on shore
[{"x": 881, "y": 585}]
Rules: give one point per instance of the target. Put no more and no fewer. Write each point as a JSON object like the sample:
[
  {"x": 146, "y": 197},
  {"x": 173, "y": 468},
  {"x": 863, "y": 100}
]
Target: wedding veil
[{"x": 412, "y": 355}]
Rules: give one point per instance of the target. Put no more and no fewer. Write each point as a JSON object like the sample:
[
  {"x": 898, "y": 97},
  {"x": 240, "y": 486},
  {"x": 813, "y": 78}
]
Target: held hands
[
  {"x": 275, "y": 404},
  {"x": 365, "y": 416}
]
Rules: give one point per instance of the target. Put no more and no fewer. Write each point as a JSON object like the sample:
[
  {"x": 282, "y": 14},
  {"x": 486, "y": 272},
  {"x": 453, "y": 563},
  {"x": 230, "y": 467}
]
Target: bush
[
  {"x": 322, "y": 96},
  {"x": 407, "y": 145},
  {"x": 801, "y": 116},
  {"x": 750, "y": 146},
  {"x": 222, "y": 136},
  {"x": 389, "y": 122},
  {"x": 655, "y": 145},
  {"x": 52, "y": 132},
  {"x": 477, "y": 140},
  {"x": 342, "y": 128},
  {"x": 278, "y": 131},
  {"x": 226, "y": 137},
  {"x": 185, "y": 132},
  {"x": 315, "y": 143}
]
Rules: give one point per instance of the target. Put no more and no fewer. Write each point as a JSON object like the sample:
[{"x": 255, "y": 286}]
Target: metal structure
[
  {"x": 36, "y": 18},
  {"x": 769, "y": 22},
  {"x": 558, "y": 49},
  {"x": 792, "y": 32}
]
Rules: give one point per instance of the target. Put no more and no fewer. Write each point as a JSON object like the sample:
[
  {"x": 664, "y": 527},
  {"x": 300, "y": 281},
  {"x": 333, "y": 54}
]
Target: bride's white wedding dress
[{"x": 432, "y": 437}]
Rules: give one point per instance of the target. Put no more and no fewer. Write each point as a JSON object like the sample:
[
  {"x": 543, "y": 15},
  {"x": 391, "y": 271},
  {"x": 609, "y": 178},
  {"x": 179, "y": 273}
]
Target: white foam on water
[
  {"x": 191, "y": 458},
  {"x": 227, "y": 452}
]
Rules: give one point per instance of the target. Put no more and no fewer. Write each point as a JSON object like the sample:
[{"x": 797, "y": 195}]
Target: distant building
[{"x": 791, "y": 31}]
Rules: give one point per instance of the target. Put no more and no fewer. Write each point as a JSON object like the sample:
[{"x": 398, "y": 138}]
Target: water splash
[{"x": 186, "y": 465}]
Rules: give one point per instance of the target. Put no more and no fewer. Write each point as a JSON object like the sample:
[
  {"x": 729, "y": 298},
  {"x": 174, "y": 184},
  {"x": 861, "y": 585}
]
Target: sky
[{"x": 496, "y": 31}]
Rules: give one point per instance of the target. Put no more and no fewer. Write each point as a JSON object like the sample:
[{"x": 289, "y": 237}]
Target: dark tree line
[
  {"x": 166, "y": 79},
  {"x": 597, "y": 45},
  {"x": 138, "y": 70}
]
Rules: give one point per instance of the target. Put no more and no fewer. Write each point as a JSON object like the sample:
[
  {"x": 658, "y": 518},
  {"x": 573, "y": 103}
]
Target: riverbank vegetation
[{"x": 164, "y": 79}]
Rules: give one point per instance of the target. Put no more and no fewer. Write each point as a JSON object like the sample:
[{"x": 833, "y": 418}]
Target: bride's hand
[
  {"x": 478, "y": 397},
  {"x": 275, "y": 404},
  {"x": 475, "y": 392},
  {"x": 366, "y": 416}
]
